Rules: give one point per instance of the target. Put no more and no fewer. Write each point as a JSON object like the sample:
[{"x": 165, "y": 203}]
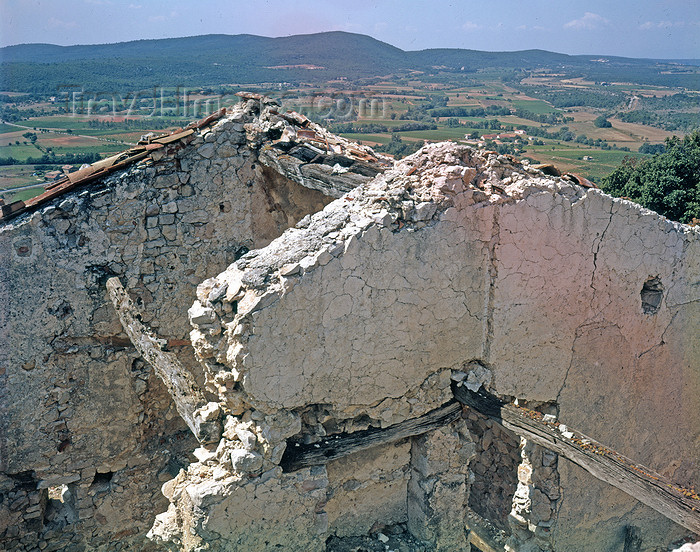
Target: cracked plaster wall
[
  {"x": 456, "y": 255},
  {"x": 78, "y": 405}
]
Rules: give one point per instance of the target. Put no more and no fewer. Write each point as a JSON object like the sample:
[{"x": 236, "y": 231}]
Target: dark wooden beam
[
  {"x": 682, "y": 506},
  {"x": 298, "y": 455},
  {"x": 179, "y": 382}
]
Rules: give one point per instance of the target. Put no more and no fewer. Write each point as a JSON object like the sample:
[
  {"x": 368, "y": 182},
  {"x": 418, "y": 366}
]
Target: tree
[
  {"x": 668, "y": 183},
  {"x": 602, "y": 122},
  {"x": 652, "y": 148}
]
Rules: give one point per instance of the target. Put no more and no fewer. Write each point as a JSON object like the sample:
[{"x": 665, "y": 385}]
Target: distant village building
[
  {"x": 503, "y": 135},
  {"x": 53, "y": 175}
]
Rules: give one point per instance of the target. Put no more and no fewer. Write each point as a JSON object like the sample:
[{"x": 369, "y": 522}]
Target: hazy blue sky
[{"x": 636, "y": 28}]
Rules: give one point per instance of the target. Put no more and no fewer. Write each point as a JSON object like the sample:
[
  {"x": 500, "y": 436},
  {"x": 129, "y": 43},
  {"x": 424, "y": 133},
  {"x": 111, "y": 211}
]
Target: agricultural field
[
  {"x": 19, "y": 179},
  {"x": 396, "y": 114},
  {"x": 535, "y": 106},
  {"x": 33, "y": 148},
  {"x": 571, "y": 159}
]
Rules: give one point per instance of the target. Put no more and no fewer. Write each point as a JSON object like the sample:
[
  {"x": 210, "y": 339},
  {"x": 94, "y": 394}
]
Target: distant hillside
[{"x": 224, "y": 59}]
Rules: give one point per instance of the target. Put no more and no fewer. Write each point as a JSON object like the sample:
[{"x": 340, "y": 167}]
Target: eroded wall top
[{"x": 460, "y": 260}]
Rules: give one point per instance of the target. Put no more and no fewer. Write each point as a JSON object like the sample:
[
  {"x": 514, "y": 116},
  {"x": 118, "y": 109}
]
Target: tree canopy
[
  {"x": 668, "y": 183},
  {"x": 602, "y": 122}
]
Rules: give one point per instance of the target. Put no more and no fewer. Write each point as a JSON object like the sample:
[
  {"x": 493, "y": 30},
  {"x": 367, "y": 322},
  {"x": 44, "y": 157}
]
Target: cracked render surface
[
  {"x": 81, "y": 411},
  {"x": 452, "y": 256}
]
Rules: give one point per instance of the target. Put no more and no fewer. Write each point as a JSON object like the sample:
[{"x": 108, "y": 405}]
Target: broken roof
[{"x": 289, "y": 142}]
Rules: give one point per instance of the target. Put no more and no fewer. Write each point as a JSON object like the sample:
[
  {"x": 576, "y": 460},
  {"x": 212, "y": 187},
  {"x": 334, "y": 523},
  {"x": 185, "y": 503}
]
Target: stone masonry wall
[
  {"x": 494, "y": 469},
  {"x": 88, "y": 433},
  {"x": 455, "y": 262},
  {"x": 456, "y": 266}
]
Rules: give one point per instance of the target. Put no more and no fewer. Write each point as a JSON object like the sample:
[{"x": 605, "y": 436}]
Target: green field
[
  {"x": 20, "y": 152},
  {"x": 23, "y": 195},
  {"x": 82, "y": 124},
  {"x": 19, "y": 176},
  {"x": 571, "y": 158},
  {"x": 14, "y": 176},
  {"x": 58, "y": 121},
  {"x": 535, "y": 106},
  {"x": 379, "y": 138},
  {"x": 438, "y": 135}
]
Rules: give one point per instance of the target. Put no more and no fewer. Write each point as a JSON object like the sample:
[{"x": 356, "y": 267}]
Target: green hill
[{"x": 223, "y": 59}]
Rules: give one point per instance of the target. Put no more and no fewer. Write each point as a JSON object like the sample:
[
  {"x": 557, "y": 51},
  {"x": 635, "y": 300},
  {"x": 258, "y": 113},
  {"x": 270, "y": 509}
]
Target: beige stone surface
[{"x": 454, "y": 256}]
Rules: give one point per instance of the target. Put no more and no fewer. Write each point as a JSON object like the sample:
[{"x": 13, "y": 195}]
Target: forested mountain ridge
[{"x": 223, "y": 59}]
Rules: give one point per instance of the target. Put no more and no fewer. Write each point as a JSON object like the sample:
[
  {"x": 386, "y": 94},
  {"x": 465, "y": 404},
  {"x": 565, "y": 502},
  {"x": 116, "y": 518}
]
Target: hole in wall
[
  {"x": 61, "y": 309},
  {"x": 56, "y": 493},
  {"x": 24, "y": 481},
  {"x": 61, "y": 509},
  {"x": 652, "y": 293},
  {"x": 239, "y": 251},
  {"x": 101, "y": 482}
]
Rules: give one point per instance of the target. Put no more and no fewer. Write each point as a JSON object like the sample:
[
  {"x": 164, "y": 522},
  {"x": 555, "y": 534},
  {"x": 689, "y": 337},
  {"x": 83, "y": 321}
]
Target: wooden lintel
[
  {"x": 179, "y": 382},
  {"x": 682, "y": 506},
  {"x": 298, "y": 455}
]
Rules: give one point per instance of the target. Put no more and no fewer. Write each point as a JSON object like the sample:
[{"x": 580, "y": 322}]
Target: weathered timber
[
  {"x": 480, "y": 543},
  {"x": 316, "y": 169},
  {"x": 179, "y": 382},
  {"x": 682, "y": 506},
  {"x": 298, "y": 455}
]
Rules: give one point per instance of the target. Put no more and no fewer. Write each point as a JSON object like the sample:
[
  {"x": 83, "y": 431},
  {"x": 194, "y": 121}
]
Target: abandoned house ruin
[{"x": 254, "y": 335}]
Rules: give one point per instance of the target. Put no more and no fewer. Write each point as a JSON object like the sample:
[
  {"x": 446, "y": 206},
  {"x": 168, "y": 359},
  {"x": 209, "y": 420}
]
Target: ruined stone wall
[
  {"x": 494, "y": 469},
  {"x": 456, "y": 265},
  {"x": 88, "y": 433}
]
